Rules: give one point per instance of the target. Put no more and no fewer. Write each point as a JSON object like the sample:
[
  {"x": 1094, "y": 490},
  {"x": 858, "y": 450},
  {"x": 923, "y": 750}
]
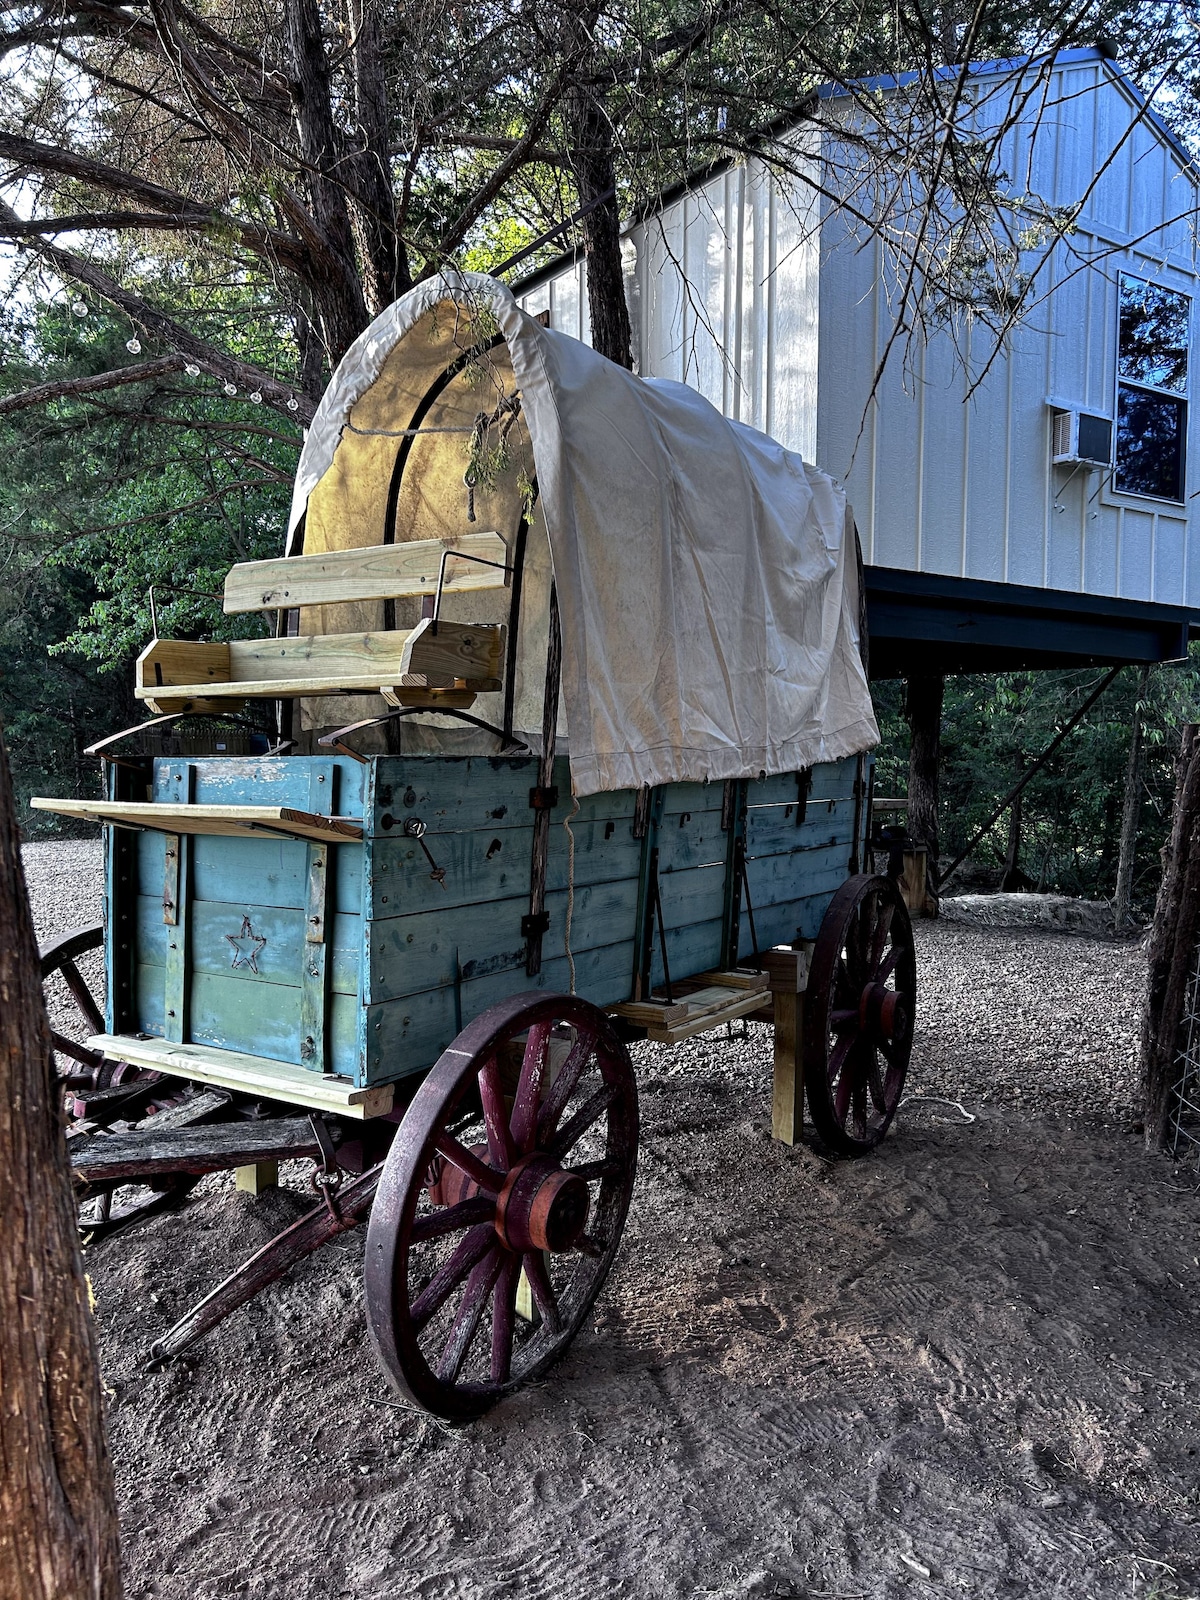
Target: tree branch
[
  {"x": 216, "y": 361},
  {"x": 30, "y": 155},
  {"x": 64, "y": 387}
]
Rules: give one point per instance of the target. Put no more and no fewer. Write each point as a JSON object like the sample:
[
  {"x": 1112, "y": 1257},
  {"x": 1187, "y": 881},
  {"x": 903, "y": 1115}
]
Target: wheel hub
[
  {"x": 882, "y": 1011},
  {"x": 541, "y": 1207}
]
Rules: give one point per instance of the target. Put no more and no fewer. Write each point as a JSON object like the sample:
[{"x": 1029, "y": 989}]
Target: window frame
[{"x": 1182, "y": 397}]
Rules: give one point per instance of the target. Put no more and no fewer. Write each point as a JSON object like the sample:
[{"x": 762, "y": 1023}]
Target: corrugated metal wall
[{"x": 725, "y": 293}]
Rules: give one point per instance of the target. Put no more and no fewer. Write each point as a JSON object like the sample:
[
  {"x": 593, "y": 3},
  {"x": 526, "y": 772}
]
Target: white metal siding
[
  {"x": 725, "y": 293},
  {"x": 942, "y": 484},
  {"x": 725, "y": 298}
]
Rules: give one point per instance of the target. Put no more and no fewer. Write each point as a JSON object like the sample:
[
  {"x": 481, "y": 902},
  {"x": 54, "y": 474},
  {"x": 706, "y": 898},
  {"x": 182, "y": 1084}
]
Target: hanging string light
[
  {"x": 134, "y": 346},
  {"x": 79, "y": 308}
]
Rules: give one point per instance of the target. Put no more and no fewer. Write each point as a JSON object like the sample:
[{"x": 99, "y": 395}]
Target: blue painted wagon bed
[{"x": 614, "y": 785}]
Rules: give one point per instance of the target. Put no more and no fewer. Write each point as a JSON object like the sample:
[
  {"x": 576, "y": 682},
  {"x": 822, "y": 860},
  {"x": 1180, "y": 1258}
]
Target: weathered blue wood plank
[
  {"x": 492, "y": 864},
  {"x": 317, "y": 783},
  {"x": 264, "y": 1020},
  {"x": 414, "y": 953},
  {"x": 408, "y": 1035},
  {"x": 772, "y": 830},
  {"x": 691, "y": 839},
  {"x": 148, "y": 999},
  {"x": 279, "y": 960}
]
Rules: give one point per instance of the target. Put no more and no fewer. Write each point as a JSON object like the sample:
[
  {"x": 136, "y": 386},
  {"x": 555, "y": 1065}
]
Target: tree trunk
[
  {"x": 1173, "y": 943},
  {"x": 1123, "y": 899},
  {"x": 1013, "y": 879},
  {"x": 337, "y": 291},
  {"x": 923, "y": 708},
  {"x": 58, "y": 1516},
  {"x": 595, "y": 175}
]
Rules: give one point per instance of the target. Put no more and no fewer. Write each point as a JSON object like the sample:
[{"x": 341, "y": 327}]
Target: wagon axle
[
  {"x": 539, "y": 1206},
  {"x": 882, "y": 1012}
]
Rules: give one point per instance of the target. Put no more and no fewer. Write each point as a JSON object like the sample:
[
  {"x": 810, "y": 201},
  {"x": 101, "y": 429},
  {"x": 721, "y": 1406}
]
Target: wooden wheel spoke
[
  {"x": 77, "y": 1052},
  {"x": 529, "y": 1087},
  {"x": 876, "y": 1083},
  {"x": 844, "y": 987},
  {"x": 837, "y": 1058},
  {"x": 450, "y": 1274},
  {"x": 841, "y": 1096},
  {"x": 588, "y": 1245},
  {"x": 858, "y": 1100},
  {"x": 504, "y": 1310},
  {"x": 467, "y": 1161},
  {"x": 467, "y": 1318},
  {"x": 501, "y": 1149},
  {"x": 84, "y": 998},
  {"x": 563, "y": 1086},
  {"x": 589, "y": 1171},
  {"x": 842, "y": 1019},
  {"x": 879, "y": 937},
  {"x": 887, "y": 966},
  {"x": 542, "y": 1291},
  {"x": 573, "y": 1130},
  {"x": 450, "y": 1219}
]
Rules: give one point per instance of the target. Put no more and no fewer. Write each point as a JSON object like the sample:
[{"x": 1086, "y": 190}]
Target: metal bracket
[
  {"x": 534, "y": 924},
  {"x": 543, "y": 798}
]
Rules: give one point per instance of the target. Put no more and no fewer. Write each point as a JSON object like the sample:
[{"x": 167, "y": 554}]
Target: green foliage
[
  {"x": 165, "y": 484},
  {"x": 995, "y": 726}
]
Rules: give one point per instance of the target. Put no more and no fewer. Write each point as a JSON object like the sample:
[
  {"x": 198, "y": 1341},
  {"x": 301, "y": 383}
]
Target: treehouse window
[{"x": 1152, "y": 383}]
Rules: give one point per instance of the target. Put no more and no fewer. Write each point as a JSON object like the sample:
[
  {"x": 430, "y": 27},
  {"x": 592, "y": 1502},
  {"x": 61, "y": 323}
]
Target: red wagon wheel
[
  {"x": 511, "y": 1172},
  {"x": 84, "y": 1015},
  {"x": 859, "y": 1012}
]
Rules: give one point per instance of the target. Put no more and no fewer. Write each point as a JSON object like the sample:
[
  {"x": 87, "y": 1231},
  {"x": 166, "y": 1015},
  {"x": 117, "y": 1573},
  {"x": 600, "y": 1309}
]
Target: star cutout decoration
[{"x": 243, "y": 956}]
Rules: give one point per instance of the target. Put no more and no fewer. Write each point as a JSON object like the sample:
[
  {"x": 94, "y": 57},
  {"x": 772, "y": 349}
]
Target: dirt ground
[{"x": 965, "y": 1365}]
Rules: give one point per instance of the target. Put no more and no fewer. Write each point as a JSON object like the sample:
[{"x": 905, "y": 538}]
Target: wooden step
[
  {"x": 253, "y": 1075},
  {"x": 721, "y": 997}
]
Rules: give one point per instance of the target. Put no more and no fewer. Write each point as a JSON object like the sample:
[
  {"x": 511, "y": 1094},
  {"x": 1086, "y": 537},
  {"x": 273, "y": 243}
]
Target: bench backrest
[{"x": 377, "y": 572}]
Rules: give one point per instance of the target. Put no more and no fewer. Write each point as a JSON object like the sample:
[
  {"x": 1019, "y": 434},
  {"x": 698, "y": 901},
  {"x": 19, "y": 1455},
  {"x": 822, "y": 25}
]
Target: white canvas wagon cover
[{"x": 707, "y": 578}]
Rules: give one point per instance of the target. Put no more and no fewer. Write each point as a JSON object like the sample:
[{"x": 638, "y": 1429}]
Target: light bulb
[
  {"x": 256, "y": 398},
  {"x": 192, "y": 370},
  {"x": 134, "y": 346},
  {"x": 79, "y": 309},
  {"x": 293, "y": 404},
  {"x": 231, "y": 388}
]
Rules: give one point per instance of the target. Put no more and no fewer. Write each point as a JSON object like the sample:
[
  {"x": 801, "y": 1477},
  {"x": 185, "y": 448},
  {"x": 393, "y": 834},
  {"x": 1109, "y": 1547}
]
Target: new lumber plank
[
  {"x": 378, "y": 572},
  {"x": 227, "y": 821},
  {"x": 257, "y": 1075}
]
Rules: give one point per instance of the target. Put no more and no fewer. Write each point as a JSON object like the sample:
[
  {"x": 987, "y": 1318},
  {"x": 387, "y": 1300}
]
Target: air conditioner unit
[{"x": 1077, "y": 437}]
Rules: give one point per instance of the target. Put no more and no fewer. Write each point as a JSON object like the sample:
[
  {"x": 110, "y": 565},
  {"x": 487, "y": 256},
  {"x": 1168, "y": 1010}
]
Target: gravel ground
[{"x": 965, "y": 1365}]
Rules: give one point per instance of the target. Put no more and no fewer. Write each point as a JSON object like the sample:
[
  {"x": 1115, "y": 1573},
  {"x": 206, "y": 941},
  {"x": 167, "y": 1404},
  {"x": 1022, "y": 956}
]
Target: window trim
[{"x": 1182, "y": 397}]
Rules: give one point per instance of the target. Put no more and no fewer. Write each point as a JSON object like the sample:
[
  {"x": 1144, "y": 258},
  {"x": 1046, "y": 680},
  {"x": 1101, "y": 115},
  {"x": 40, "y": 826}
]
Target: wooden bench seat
[
  {"x": 377, "y": 572},
  {"x": 443, "y": 663}
]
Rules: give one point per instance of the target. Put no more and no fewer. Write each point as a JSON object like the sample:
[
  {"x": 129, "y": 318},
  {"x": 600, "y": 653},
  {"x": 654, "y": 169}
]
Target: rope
[
  {"x": 940, "y": 1100},
  {"x": 574, "y": 811}
]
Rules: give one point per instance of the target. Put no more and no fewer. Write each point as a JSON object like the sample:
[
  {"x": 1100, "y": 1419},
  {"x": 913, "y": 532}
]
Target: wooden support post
[
  {"x": 923, "y": 709},
  {"x": 787, "y": 970},
  {"x": 914, "y": 880},
  {"x": 259, "y": 1175}
]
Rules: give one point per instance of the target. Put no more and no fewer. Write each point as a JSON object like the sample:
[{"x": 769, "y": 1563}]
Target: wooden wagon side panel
[
  {"x": 218, "y": 927},
  {"x": 442, "y": 950}
]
